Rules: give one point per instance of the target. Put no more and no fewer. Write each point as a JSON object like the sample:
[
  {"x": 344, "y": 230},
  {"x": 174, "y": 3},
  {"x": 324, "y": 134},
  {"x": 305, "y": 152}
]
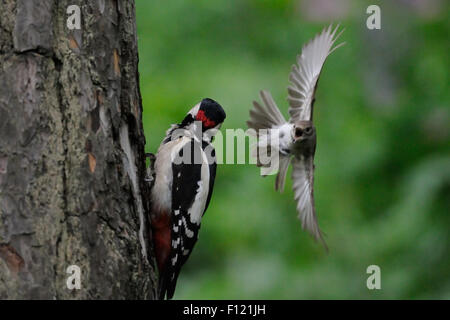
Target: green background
[{"x": 382, "y": 179}]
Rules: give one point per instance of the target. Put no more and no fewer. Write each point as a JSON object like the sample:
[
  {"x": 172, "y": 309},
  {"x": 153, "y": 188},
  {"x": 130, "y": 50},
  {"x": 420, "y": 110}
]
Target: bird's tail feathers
[
  {"x": 167, "y": 284},
  {"x": 282, "y": 171},
  {"x": 171, "y": 289},
  {"x": 162, "y": 286}
]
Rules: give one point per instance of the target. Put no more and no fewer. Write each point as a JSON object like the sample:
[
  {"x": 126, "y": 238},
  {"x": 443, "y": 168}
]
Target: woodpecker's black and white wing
[
  {"x": 305, "y": 74},
  {"x": 303, "y": 182},
  {"x": 191, "y": 192}
]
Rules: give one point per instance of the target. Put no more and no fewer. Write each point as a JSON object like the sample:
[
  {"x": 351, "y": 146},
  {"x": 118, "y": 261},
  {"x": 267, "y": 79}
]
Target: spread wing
[
  {"x": 305, "y": 74},
  {"x": 303, "y": 180},
  {"x": 267, "y": 116}
]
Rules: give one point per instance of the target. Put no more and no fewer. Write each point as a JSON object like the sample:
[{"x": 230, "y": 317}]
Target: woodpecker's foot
[
  {"x": 151, "y": 156},
  {"x": 151, "y": 168}
]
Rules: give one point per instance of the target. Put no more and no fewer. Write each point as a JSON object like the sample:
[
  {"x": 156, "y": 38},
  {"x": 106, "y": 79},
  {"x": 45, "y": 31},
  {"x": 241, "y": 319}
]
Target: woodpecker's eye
[
  {"x": 298, "y": 132},
  {"x": 308, "y": 130}
]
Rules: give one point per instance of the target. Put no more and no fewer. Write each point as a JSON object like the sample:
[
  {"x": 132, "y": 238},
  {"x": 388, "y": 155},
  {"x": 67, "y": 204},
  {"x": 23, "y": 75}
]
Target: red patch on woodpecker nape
[
  {"x": 207, "y": 123},
  {"x": 162, "y": 235}
]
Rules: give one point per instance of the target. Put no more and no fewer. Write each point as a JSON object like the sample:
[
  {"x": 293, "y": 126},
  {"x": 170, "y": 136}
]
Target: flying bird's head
[
  {"x": 303, "y": 130},
  {"x": 209, "y": 112}
]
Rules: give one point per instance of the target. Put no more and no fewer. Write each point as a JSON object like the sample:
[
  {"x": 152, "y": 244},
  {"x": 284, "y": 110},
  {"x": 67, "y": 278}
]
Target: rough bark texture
[{"x": 72, "y": 158}]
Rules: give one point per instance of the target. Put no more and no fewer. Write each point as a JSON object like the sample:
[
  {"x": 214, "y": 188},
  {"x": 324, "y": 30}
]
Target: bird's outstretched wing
[
  {"x": 306, "y": 72},
  {"x": 303, "y": 180},
  {"x": 267, "y": 116}
]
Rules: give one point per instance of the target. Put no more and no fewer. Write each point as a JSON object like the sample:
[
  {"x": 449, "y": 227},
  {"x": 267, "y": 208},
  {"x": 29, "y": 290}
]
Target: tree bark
[{"x": 72, "y": 162}]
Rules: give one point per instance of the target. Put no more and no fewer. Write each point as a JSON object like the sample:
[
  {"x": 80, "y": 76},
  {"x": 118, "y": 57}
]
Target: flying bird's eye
[{"x": 298, "y": 132}]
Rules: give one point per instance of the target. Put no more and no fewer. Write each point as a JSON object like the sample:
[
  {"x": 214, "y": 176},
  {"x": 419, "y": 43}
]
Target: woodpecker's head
[{"x": 209, "y": 112}]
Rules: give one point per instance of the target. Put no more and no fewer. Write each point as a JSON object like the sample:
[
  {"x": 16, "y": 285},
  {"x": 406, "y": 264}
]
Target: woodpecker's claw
[{"x": 151, "y": 168}]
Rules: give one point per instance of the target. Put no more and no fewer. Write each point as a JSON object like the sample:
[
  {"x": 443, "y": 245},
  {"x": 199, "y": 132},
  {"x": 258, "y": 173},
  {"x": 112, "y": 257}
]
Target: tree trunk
[{"x": 72, "y": 162}]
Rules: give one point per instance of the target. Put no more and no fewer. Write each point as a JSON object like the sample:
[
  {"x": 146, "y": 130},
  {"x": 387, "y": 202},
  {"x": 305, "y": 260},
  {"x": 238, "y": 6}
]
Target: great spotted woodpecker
[{"x": 185, "y": 169}]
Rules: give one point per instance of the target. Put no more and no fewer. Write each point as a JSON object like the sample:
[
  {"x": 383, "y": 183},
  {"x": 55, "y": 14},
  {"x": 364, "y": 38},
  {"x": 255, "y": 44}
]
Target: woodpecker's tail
[
  {"x": 167, "y": 284},
  {"x": 162, "y": 287}
]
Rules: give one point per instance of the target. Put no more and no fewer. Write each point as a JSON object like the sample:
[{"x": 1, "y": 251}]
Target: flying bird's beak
[{"x": 297, "y": 134}]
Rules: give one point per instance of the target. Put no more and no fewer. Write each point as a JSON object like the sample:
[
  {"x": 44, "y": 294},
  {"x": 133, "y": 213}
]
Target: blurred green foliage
[{"x": 382, "y": 180}]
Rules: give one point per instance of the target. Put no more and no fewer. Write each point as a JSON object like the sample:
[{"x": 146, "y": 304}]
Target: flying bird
[
  {"x": 296, "y": 138},
  {"x": 184, "y": 169}
]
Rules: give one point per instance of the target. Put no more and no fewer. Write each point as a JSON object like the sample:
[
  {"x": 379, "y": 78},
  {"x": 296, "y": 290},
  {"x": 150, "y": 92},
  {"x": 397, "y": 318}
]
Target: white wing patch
[
  {"x": 178, "y": 145},
  {"x": 306, "y": 72},
  {"x": 198, "y": 207},
  {"x": 175, "y": 243},
  {"x": 174, "y": 259},
  {"x": 189, "y": 233}
]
